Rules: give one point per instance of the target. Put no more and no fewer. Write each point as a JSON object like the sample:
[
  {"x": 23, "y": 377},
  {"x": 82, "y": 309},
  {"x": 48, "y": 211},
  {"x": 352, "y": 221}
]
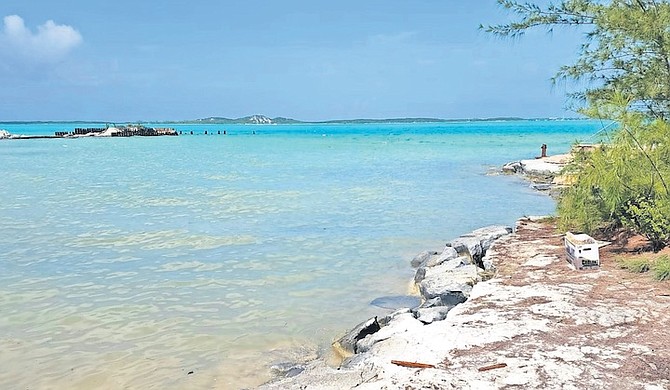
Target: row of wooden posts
[
  {"x": 218, "y": 132},
  {"x": 145, "y": 132}
]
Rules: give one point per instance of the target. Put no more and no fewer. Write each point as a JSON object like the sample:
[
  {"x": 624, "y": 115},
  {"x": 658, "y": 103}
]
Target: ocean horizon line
[{"x": 264, "y": 120}]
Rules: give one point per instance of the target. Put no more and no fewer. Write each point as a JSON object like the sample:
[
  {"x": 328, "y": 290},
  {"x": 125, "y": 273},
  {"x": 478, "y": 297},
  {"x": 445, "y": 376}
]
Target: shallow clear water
[{"x": 130, "y": 262}]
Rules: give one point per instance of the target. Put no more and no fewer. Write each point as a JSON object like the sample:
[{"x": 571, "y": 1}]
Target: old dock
[
  {"x": 114, "y": 131},
  {"x": 122, "y": 131}
]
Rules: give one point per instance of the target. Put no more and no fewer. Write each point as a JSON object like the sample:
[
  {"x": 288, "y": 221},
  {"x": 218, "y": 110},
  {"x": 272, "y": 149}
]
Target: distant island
[{"x": 265, "y": 120}]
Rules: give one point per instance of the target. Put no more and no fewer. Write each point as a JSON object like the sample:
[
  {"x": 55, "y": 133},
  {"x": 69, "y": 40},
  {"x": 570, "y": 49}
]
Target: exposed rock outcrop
[
  {"x": 444, "y": 280},
  {"x": 544, "y": 173},
  {"x": 421, "y": 258},
  {"x": 347, "y": 343},
  {"x": 475, "y": 244},
  {"x": 259, "y": 120}
]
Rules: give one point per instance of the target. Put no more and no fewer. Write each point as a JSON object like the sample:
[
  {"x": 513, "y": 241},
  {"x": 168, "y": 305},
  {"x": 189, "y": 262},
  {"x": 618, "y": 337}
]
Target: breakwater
[
  {"x": 122, "y": 131},
  {"x": 444, "y": 279},
  {"x": 109, "y": 131}
]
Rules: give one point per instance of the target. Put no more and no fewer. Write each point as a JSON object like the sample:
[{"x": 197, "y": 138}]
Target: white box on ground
[{"x": 582, "y": 251}]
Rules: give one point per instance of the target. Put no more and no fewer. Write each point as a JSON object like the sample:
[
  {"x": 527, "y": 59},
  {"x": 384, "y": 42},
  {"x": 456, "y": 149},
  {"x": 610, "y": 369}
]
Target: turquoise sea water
[{"x": 196, "y": 261}]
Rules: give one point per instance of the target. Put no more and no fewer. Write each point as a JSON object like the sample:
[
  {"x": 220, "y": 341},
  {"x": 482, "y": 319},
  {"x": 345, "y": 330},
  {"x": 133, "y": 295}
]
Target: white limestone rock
[
  {"x": 468, "y": 245},
  {"x": 487, "y": 235},
  {"x": 476, "y": 243},
  {"x": 431, "y": 314},
  {"x": 513, "y": 167},
  {"x": 348, "y": 342},
  {"x": 400, "y": 323},
  {"x": 452, "y": 286},
  {"x": 540, "y": 167},
  {"x": 447, "y": 254},
  {"x": 422, "y": 258}
]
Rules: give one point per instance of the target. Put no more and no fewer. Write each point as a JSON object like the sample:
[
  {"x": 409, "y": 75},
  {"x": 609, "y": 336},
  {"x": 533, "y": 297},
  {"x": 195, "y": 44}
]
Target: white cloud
[{"x": 51, "y": 42}]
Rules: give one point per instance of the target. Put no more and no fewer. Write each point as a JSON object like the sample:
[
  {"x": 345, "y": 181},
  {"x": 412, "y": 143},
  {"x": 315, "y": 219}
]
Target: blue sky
[{"x": 306, "y": 59}]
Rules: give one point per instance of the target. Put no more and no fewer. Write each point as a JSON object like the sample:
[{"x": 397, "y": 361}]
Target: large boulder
[
  {"x": 348, "y": 342},
  {"x": 513, "y": 167},
  {"x": 540, "y": 167},
  {"x": 476, "y": 243},
  {"x": 451, "y": 264},
  {"x": 432, "y": 310},
  {"x": 432, "y": 314},
  {"x": 400, "y": 322},
  {"x": 447, "y": 254},
  {"x": 387, "y": 319},
  {"x": 422, "y": 258},
  {"x": 452, "y": 286},
  {"x": 487, "y": 235},
  {"x": 467, "y": 245}
]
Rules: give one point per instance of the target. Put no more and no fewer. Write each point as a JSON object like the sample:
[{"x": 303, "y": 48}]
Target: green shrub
[
  {"x": 651, "y": 218},
  {"x": 635, "y": 264},
  {"x": 661, "y": 268},
  {"x": 580, "y": 210},
  {"x": 624, "y": 183}
]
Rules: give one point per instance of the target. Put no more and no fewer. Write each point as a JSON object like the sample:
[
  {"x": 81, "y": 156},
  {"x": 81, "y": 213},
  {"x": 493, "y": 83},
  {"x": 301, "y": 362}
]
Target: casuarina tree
[{"x": 624, "y": 66}]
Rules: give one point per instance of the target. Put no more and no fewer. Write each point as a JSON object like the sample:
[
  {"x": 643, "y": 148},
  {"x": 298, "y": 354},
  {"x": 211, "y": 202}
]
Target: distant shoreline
[{"x": 263, "y": 120}]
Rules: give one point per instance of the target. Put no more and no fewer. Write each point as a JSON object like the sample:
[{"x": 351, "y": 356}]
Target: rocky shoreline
[
  {"x": 500, "y": 309},
  {"x": 535, "y": 324},
  {"x": 443, "y": 280},
  {"x": 544, "y": 173}
]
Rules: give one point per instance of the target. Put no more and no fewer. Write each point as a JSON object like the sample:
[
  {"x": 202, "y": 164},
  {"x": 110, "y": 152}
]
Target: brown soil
[{"x": 626, "y": 243}]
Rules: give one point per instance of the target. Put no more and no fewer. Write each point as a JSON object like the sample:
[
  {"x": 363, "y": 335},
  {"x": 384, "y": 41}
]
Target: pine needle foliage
[
  {"x": 625, "y": 182},
  {"x": 626, "y": 47}
]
